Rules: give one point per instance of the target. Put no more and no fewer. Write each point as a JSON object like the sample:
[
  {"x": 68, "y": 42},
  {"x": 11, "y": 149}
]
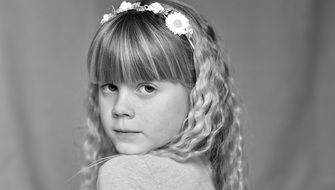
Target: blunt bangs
[{"x": 137, "y": 46}]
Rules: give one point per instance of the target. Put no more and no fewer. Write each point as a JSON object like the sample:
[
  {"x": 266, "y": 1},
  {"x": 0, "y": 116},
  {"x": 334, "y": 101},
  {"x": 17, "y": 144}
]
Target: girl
[{"x": 161, "y": 109}]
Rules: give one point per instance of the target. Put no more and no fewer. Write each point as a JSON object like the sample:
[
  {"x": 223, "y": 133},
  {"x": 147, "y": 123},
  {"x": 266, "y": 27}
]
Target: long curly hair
[{"x": 135, "y": 46}]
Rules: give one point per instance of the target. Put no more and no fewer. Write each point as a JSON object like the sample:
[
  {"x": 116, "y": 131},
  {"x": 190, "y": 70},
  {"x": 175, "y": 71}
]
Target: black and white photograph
[{"x": 167, "y": 95}]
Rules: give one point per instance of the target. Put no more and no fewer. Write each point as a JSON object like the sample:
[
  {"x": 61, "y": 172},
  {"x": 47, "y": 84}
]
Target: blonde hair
[{"x": 137, "y": 46}]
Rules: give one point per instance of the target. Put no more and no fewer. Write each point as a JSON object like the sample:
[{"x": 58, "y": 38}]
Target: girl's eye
[
  {"x": 107, "y": 88},
  {"x": 147, "y": 89}
]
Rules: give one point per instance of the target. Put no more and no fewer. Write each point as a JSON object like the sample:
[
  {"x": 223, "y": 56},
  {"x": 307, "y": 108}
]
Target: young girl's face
[{"x": 142, "y": 116}]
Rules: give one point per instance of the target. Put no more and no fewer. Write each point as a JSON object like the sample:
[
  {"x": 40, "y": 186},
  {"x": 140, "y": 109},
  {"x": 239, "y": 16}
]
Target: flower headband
[{"x": 175, "y": 21}]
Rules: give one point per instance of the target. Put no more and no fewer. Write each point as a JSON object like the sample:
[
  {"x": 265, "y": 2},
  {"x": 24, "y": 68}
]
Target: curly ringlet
[{"x": 147, "y": 50}]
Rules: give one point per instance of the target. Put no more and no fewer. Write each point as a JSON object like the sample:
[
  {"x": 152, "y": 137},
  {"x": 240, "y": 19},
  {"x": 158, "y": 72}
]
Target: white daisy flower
[
  {"x": 106, "y": 18},
  {"x": 125, "y": 6},
  {"x": 177, "y": 23},
  {"x": 155, "y": 7}
]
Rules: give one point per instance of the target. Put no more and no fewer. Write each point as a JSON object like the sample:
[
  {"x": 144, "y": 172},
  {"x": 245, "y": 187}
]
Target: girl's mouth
[
  {"x": 126, "y": 134},
  {"x": 125, "y": 131}
]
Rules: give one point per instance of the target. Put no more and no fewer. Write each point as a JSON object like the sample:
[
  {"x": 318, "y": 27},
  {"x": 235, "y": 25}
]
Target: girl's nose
[{"x": 123, "y": 105}]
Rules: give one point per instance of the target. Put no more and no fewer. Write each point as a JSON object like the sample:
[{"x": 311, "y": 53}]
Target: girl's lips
[
  {"x": 126, "y": 134},
  {"x": 125, "y": 131}
]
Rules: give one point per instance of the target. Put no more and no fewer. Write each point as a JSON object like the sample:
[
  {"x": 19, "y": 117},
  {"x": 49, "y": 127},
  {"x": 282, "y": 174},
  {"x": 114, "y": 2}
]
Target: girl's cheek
[{"x": 105, "y": 108}]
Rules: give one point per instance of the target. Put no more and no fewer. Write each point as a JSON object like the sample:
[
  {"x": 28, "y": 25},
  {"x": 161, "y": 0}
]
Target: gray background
[{"x": 282, "y": 52}]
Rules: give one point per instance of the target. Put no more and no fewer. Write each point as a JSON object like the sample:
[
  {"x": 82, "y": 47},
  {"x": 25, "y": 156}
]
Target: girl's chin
[{"x": 130, "y": 150}]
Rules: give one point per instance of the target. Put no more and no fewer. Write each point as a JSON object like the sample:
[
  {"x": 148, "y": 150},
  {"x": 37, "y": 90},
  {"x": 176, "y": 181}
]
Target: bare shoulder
[
  {"x": 125, "y": 172},
  {"x": 124, "y": 164},
  {"x": 150, "y": 172},
  {"x": 122, "y": 161}
]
